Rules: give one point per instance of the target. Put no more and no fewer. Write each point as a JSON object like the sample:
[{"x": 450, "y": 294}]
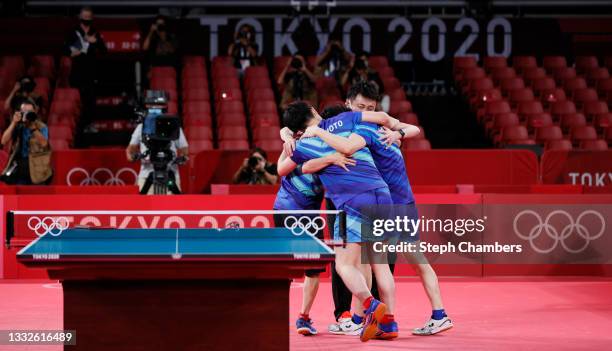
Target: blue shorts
[{"x": 354, "y": 216}]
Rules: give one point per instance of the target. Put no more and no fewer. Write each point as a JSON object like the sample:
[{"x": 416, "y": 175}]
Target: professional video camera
[{"x": 159, "y": 130}]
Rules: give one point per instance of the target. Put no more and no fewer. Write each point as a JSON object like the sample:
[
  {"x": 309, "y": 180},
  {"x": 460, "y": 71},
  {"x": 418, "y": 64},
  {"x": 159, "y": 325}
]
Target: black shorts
[{"x": 279, "y": 222}]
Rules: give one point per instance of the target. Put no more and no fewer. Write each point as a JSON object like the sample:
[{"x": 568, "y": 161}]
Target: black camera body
[
  {"x": 296, "y": 63},
  {"x": 29, "y": 116}
]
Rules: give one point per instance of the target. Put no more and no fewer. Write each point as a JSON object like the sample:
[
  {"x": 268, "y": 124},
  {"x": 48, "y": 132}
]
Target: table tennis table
[{"x": 176, "y": 289}]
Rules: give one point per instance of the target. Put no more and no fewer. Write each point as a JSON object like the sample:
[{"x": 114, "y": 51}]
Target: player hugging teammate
[{"x": 355, "y": 157}]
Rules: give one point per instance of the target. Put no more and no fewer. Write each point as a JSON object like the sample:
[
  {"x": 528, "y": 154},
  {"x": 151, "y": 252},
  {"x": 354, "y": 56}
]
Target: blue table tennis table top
[{"x": 176, "y": 243}]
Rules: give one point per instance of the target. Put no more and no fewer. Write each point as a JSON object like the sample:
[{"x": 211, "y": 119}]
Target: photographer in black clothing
[
  {"x": 244, "y": 49},
  {"x": 256, "y": 170},
  {"x": 22, "y": 91},
  {"x": 297, "y": 82}
]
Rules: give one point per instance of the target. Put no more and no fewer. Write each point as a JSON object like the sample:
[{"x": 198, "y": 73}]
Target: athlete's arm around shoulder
[
  {"x": 285, "y": 165},
  {"x": 347, "y": 146},
  {"x": 383, "y": 119}
]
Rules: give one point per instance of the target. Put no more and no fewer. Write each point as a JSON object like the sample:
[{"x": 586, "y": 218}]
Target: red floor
[{"x": 489, "y": 314}]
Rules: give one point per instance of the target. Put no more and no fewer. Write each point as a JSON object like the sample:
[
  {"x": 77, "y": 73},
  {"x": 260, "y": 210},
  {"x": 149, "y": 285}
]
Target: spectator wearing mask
[
  {"x": 27, "y": 139},
  {"x": 22, "y": 91},
  {"x": 244, "y": 49},
  {"x": 333, "y": 61},
  {"x": 161, "y": 45},
  {"x": 83, "y": 44},
  {"x": 297, "y": 82},
  {"x": 256, "y": 170}
]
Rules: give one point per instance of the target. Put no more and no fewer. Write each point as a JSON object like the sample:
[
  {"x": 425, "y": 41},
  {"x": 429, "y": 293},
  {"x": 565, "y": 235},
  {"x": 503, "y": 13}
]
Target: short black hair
[
  {"x": 364, "y": 88},
  {"x": 297, "y": 115},
  {"x": 259, "y": 151},
  {"x": 333, "y": 111}
]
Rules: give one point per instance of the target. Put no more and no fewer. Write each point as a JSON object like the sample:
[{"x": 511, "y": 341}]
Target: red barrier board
[
  {"x": 436, "y": 167},
  {"x": 587, "y": 168}
]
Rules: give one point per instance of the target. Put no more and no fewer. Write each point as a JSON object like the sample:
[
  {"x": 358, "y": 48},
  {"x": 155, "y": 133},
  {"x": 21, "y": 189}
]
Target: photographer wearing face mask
[
  {"x": 256, "y": 170},
  {"x": 160, "y": 44},
  {"x": 298, "y": 82},
  {"x": 83, "y": 44},
  {"x": 23, "y": 90},
  {"x": 333, "y": 60},
  {"x": 244, "y": 49},
  {"x": 27, "y": 139}
]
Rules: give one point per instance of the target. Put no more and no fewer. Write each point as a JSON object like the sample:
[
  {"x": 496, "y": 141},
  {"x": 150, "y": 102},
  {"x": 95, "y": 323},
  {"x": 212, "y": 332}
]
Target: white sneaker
[
  {"x": 434, "y": 326},
  {"x": 345, "y": 328}
]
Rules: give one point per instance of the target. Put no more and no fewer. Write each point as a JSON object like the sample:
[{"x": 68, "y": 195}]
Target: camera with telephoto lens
[
  {"x": 159, "y": 130},
  {"x": 296, "y": 63},
  {"x": 253, "y": 161},
  {"x": 29, "y": 116}
]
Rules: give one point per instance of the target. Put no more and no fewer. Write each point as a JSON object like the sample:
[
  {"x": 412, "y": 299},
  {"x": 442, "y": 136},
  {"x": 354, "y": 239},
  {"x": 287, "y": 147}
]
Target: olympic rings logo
[
  {"x": 304, "y": 224},
  {"x": 48, "y": 225},
  {"x": 109, "y": 178},
  {"x": 559, "y": 237}
]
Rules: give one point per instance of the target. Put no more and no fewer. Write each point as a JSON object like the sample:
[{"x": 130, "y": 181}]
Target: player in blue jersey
[
  {"x": 350, "y": 191},
  {"x": 388, "y": 158},
  {"x": 301, "y": 191}
]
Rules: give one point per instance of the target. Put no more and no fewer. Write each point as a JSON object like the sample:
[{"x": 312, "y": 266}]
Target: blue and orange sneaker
[
  {"x": 373, "y": 315},
  {"x": 304, "y": 327},
  {"x": 387, "y": 331}
]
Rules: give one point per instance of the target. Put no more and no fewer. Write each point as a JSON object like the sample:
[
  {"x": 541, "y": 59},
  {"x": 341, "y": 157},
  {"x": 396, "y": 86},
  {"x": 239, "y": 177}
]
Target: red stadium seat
[
  {"x": 195, "y": 83},
  {"x": 550, "y": 63},
  {"x": 533, "y": 73},
  {"x": 196, "y": 95},
  {"x": 397, "y": 94},
  {"x": 64, "y": 107},
  {"x": 597, "y": 74},
  {"x": 230, "y": 106},
  {"x": 527, "y": 108},
  {"x": 399, "y": 106},
  {"x": 484, "y": 96},
  {"x": 502, "y": 73},
  {"x": 378, "y": 62},
  {"x": 510, "y": 84},
  {"x": 559, "y": 108},
  {"x": 225, "y": 94},
  {"x": 329, "y": 102},
  {"x": 408, "y": 117},
  {"x": 233, "y": 133},
  {"x": 593, "y": 108},
  {"x": 42, "y": 66},
  {"x": 465, "y": 77},
  {"x": 386, "y": 72},
  {"x": 501, "y": 121},
  {"x": 513, "y": 133},
  {"x": 545, "y": 134},
  {"x": 603, "y": 121},
  {"x": 231, "y": 119},
  {"x": 491, "y": 62},
  {"x": 494, "y": 107},
  {"x": 564, "y": 73},
  {"x": 59, "y": 144},
  {"x": 594, "y": 145},
  {"x": 586, "y": 63},
  {"x": 571, "y": 120},
  {"x": 197, "y": 107},
  {"x": 198, "y": 133},
  {"x": 266, "y": 133},
  {"x": 543, "y": 84},
  {"x": 259, "y": 84},
  {"x": 538, "y": 120},
  {"x": 196, "y": 146},
  {"x": 264, "y": 107},
  {"x": 172, "y": 107},
  {"x": 60, "y": 132},
  {"x": 582, "y": 96},
  {"x": 572, "y": 84},
  {"x": 580, "y": 133},
  {"x": 554, "y": 95},
  {"x": 561, "y": 144},
  {"x": 520, "y": 142},
  {"x": 391, "y": 84},
  {"x": 260, "y": 95},
  {"x": 521, "y": 62},
  {"x": 476, "y": 85},
  {"x": 604, "y": 86},
  {"x": 461, "y": 63},
  {"x": 264, "y": 119},
  {"x": 234, "y": 145},
  {"x": 163, "y": 72},
  {"x": 270, "y": 144},
  {"x": 416, "y": 144},
  {"x": 226, "y": 83},
  {"x": 197, "y": 119},
  {"x": 521, "y": 95},
  {"x": 608, "y": 135},
  {"x": 70, "y": 94}
]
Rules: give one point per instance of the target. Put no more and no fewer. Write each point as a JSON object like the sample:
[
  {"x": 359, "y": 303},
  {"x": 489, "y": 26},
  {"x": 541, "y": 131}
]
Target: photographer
[
  {"x": 22, "y": 91},
  {"x": 27, "y": 139},
  {"x": 160, "y": 45},
  {"x": 297, "y": 82},
  {"x": 360, "y": 71},
  {"x": 244, "y": 49},
  {"x": 256, "y": 170},
  {"x": 333, "y": 61}
]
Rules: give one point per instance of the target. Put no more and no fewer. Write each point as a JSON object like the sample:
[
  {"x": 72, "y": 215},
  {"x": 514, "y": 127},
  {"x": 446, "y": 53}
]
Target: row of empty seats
[{"x": 523, "y": 103}]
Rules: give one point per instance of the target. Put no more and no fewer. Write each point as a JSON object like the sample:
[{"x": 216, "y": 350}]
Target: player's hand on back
[
  {"x": 289, "y": 147},
  {"x": 341, "y": 160},
  {"x": 311, "y": 132}
]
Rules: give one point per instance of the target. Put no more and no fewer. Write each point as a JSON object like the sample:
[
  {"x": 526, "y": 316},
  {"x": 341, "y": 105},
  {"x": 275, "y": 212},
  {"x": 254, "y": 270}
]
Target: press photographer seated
[
  {"x": 27, "y": 141},
  {"x": 256, "y": 170}
]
